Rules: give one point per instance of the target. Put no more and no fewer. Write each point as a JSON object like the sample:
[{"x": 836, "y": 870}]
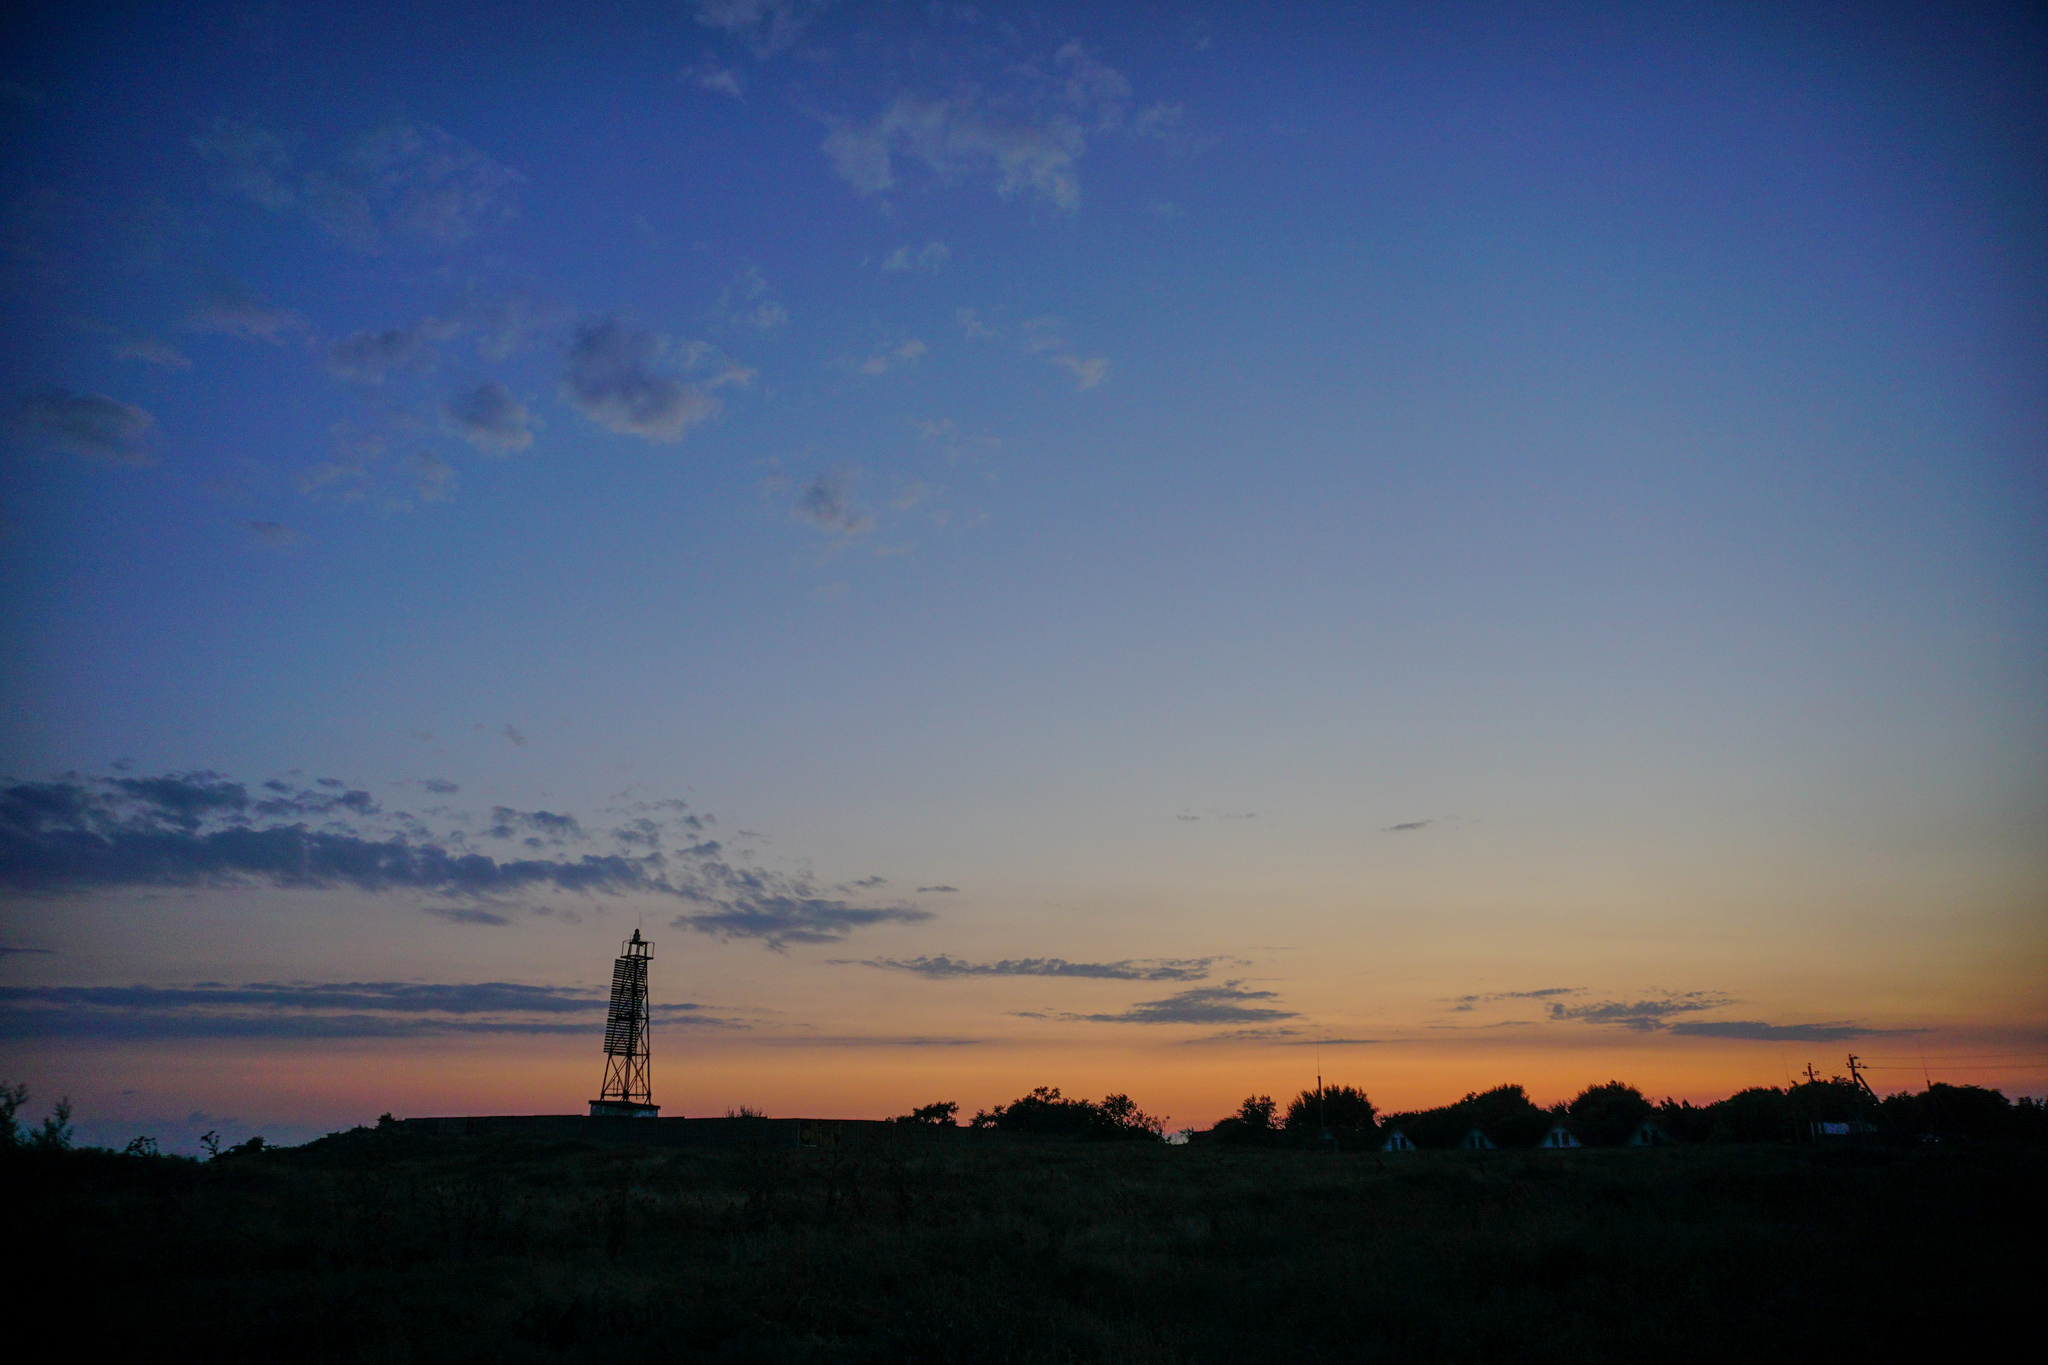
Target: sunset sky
[{"x": 1144, "y": 548}]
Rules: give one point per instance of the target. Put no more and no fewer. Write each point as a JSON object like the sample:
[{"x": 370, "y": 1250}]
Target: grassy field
[{"x": 370, "y": 1247}]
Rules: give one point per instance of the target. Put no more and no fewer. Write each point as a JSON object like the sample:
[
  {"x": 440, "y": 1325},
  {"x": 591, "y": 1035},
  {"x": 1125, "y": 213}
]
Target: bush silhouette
[
  {"x": 1339, "y": 1108},
  {"x": 1505, "y": 1114},
  {"x": 1046, "y": 1111},
  {"x": 939, "y": 1115},
  {"x": 1607, "y": 1115},
  {"x": 1251, "y": 1125}
]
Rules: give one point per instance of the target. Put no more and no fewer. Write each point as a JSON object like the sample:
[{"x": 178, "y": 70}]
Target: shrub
[
  {"x": 1046, "y": 1111},
  {"x": 1607, "y": 1115},
  {"x": 1338, "y": 1108},
  {"x": 1251, "y": 1125},
  {"x": 1505, "y": 1114},
  {"x": 938, "y": 1115}
]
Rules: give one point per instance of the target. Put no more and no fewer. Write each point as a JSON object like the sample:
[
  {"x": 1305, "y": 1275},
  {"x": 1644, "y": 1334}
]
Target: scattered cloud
[
  {"x": 825, "y": 503},
  {"x": 1028, "y": 135},
  {"x": 275, "y": 535},
  {"x": 930, "y": 256},
  {"x": 9, "y": 951},
  {"x": 233, "y": 309},
  {"x": 779, "y": 920},
  {"x": 439, "y": 786},
  {"x": 433, "y": 480},
  {"x": 745, "y": 303},
  {"x": 1087, "y": 373},
  {"x": 1224, "y": 1004},
  {"x": 1643, "y": 1016},
  {"x": 541, "y": 827},
  {"x": 76, "y": 834},
  {"x": 355, "y": 1009},
  {"x": 151, "y": 351},
  {"x": 345, "y": 476},
  {"x": 517, "y": 739},
  {"x": 1466, "y": 1002},
  {"x": 931, "y": 890},
  {"x": 621, "y": 379},
  {"x": 92, "y": 425},
  {"x": 367, "y": 357},
  {"x": 970, "y": 324},
  {"x": 953, "y": 136},
  {"x": 410, "y": 184},
  {"x": 489, "y": 418},
  {"x": 943, "y": 967},
  {"x": 249, "y": 162},
  {"x": 709, "y": 75},
  {"x": 400, "y": 184},
  {"x": 765, "y": 26},
  {"x": 1408, "y": 827},
  {"x": 892, "y": 358},
  {"x": 1043, "y": 336},
  {"x": 1750, "y": 1030}
]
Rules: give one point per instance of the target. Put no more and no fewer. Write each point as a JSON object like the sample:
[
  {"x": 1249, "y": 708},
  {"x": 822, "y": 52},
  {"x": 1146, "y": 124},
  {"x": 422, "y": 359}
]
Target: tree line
[{"x": 1606, "y": 1115}]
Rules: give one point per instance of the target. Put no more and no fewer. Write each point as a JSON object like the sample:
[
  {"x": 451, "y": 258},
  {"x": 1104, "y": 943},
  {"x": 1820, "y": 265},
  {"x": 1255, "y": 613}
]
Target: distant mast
[{"x": 628, "y": 1082}]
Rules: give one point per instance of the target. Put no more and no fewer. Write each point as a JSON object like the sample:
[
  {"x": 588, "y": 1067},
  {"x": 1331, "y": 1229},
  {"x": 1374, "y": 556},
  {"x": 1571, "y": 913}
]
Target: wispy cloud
[
  {"x": 1754, "y": 1031},
  {"x": 77, "y": 834},
  {"x": 1642, "y": 1016},
  {"x": 1466, "y": 1002},
  {"x": 92, "y": 425},
  {"x": 1408, "y": 827},
  {"x": 930, "y": 256},
  {"x": 824, "y": 502},
  {"x": 710, "y": 75},
  {"x": 151, "y": 351},
  {"x": 624, "y": 379},
  {"x": 233, "y": 309},
  {"x": 943, "y": 967},
  {"x": 781, "y": 919},
  {"x": 398, "y": 185},
  {"x": 880, "y": 362},
  {"x": 489, "y": 418},
  {"x": 1224, "y": 1004},
  {"x": 765, "y": 26},
  {"x": 356, "y": 1009},
  {"x": 1028, "y": 136},
  {"x": 275, "y": 535},
  {"x": 368, "y": 357}
]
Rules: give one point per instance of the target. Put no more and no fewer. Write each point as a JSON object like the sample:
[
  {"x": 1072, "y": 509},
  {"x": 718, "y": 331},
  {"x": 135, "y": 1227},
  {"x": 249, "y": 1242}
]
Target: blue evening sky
[{"x": 1123, "y": 462}]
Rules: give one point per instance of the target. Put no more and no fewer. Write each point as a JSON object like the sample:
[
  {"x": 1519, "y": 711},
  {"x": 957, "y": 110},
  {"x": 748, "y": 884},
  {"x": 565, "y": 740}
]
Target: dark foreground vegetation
[{"x": 901, "y": 1243}]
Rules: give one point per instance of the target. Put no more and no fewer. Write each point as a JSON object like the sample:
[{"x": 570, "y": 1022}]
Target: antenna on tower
[{"x": 628, "y": 1053}]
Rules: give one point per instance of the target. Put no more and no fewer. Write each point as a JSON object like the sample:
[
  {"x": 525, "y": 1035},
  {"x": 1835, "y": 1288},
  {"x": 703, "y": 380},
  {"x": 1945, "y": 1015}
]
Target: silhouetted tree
[
  {"x": 1045, "y": 1110},
  {"x": 12, "y": 1097},
  {"x": 1340, "y": 1108},
  {"x": 1606, "y": 1115},
  {"x": 1758, "y": 1114},
  {"x": 1119, "y": 1118},
  {"x": 939, "y": 1115},
  {"x": 1252, "y": 1124},
  {"x": 1683, "y": 1120},
  {"x": 1953, "y": 1110},
  {"x": 1505, "y": 1114}
]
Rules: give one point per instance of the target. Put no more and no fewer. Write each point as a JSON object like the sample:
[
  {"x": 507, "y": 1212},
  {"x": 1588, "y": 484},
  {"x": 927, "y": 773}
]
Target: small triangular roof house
[
  {"x": 1397, "y": 1141},
  {"x": 1648, "y": 1134},
  {"x": 1560, "y": 1136},
  {"x": 1476, "y": 1141}
]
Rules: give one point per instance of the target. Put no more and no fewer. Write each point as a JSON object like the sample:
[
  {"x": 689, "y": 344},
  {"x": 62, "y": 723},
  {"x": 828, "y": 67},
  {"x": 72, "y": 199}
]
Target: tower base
[{"x": 623, "y": 1109}]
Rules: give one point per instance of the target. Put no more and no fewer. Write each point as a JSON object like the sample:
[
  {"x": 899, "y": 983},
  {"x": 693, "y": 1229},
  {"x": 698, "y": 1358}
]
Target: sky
[{"x": 1163, "y": 549}]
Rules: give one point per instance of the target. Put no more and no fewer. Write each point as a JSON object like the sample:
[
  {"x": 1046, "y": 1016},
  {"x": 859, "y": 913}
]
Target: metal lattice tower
[{"x": 628, "y": 1054}]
